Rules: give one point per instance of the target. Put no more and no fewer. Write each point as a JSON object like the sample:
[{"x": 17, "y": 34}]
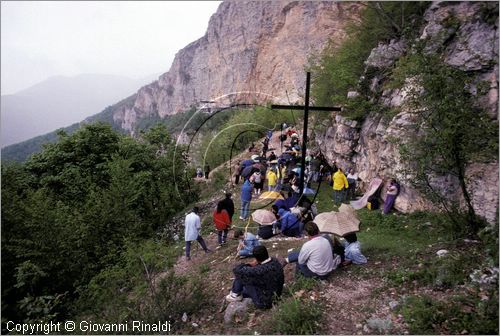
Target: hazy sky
[{"x": 40, "y": 39}]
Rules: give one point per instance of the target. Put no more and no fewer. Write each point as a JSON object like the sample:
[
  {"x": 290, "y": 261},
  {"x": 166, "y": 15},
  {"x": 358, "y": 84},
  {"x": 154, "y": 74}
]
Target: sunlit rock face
[{"x": 253, "y": 46}]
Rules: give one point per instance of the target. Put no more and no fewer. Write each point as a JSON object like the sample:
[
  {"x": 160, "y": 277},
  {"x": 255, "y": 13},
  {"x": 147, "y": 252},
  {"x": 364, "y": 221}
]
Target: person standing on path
[
  {"x": 352, "y": 178},
  {"x": 392, "y": 193},
  {"x": 192, "y": 231},
  {"x": 207, "y": 171},
  {"x": 228, "y": 205},
  {"x": 222, "y": 223},
  {"x": 246, "y": 198},
  {"x": 340, "y": 186},
  {"x": 271, "y": 180}
]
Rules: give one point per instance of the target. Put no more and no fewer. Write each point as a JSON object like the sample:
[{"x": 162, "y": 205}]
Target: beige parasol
[
  {"x": 348, "y": 209},
  {"x": 339, "y": 223},
  {"x": 263, "y": 217}
]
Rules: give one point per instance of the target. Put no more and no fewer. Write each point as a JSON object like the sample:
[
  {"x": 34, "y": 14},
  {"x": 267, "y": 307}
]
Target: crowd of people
[{"x": 262, "y": 278}]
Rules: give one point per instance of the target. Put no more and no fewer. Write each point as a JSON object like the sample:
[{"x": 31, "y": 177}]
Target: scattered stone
[
  {"x": 380, "y": 325},
  {"x": 299, "y": 293},
  {"x": 184, "y": 317},
  {"x": 393, "y": 304},
  {"x": 236, "y": 310},
  {"x": 352, "y": 94},
  {"x": 359, "y": 326},
  {"x": 471, "y": 241},
  {"x": 366, "y": 330},
  {"x": 442, "y": 253},
  {"x": 427, "y": 224},
  {"x": 194, "y": 324}
]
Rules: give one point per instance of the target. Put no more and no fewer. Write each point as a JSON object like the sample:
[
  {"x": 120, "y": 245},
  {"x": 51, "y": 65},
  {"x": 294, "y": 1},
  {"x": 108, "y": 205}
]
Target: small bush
[
  {"x": 439, "y": 272},
  {"x": 295, "y": 317},
  {"x": 174, "y": 296},
  {"x": 300, "y": 283},
  {"x": 468, "y": 315}
]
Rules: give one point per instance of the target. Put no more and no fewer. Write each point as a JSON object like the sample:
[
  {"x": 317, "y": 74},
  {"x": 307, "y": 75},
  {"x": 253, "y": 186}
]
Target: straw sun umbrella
[
  {"x": 263, "y": 217},
  {"x": 338, "y": 223}
]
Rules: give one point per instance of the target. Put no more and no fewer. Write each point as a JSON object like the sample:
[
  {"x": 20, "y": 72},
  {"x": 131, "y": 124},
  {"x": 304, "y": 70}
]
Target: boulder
[{"x": 237, "y": 310}]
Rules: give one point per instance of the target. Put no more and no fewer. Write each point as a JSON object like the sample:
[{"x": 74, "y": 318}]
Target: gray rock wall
[{"x": 469, "y": 44}]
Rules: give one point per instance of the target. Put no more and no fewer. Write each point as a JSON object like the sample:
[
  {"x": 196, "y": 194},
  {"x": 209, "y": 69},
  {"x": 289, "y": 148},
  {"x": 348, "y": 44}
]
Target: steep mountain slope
[
  {"x": 60, "y": 101},
  {"x": 256, "y": 46}
]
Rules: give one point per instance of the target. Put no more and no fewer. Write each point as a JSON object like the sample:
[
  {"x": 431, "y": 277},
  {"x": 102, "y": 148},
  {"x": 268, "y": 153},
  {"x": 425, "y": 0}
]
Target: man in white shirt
[
  {"x": 192, "y": 231},
  {"x": 315, "y": 259}
]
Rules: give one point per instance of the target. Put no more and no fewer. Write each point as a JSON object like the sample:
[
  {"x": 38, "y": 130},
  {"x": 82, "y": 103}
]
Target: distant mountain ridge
[
  {"x": 60, "y": 101},
  {"x": 249, "y": 46}
]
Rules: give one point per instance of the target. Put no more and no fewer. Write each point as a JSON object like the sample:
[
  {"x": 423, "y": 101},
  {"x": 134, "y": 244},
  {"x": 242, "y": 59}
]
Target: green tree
[
  {"x": 338, "y": 68},
  {"x": 68, "y": 212},
  {"x": 453, "y": 132}
]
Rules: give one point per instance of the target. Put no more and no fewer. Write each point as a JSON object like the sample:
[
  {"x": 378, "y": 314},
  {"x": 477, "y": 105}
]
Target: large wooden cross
[{"x": 306, "y": 109}]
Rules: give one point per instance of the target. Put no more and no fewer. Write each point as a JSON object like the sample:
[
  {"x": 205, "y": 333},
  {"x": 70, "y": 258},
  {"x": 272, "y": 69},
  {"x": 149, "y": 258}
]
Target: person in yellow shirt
[
  {"x": 272, "y": 178},
  {"x": 340, "y": 186}
]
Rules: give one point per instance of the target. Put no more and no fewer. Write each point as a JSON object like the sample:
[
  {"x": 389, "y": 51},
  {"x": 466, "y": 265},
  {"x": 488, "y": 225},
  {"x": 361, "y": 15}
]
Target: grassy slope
[{"x": 403, "y": 271}]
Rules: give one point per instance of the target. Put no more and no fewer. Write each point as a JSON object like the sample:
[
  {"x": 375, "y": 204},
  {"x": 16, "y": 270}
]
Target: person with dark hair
[
  {"x": 192, "y": 231},
  {"x": 237, "y": 172},
  {"x": 207, "y": 171},
  {"x": 246, "y": 198},
  {"x": 353, "y": 250},
  {"x": 289, "y": 202},
  {"x": 392, "y": 193},
  {"x": 228, "y": 205},
  {"x": 340, "y": 186},
  {"x": 315, "y": 258},
  {"x": 247, "y": 242},
  {"x": 352, "y": 178},
  {"x": 222, "y": 223},
  {"x": 288, "y": 223},
  {"x": 261, "y": 280}
]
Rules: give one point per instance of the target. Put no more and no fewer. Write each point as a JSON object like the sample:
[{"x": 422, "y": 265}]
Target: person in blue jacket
[
  {"x": 289, "y": 202},
  {"x": 289, "y": 224},
  {"x": 247, "y": 242},
  {"x": 246, "y": 198}
]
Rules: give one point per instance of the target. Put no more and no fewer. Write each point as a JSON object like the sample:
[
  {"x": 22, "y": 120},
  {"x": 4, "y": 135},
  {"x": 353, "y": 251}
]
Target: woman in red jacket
[{"x": 222, "y": 222}]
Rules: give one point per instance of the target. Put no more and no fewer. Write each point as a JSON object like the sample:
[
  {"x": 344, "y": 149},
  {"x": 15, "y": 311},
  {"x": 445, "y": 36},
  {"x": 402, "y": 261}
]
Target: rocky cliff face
[
  {"x": 472, "y": 46},
  {"x": 256, "y": 46},
  {"x": 262, "y": 47}
]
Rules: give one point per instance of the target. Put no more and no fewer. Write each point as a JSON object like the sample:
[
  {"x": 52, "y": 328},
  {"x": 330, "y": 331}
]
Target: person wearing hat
[
  {"x": 261, "y": 279},
  {"x": 192, "y": 232}
]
